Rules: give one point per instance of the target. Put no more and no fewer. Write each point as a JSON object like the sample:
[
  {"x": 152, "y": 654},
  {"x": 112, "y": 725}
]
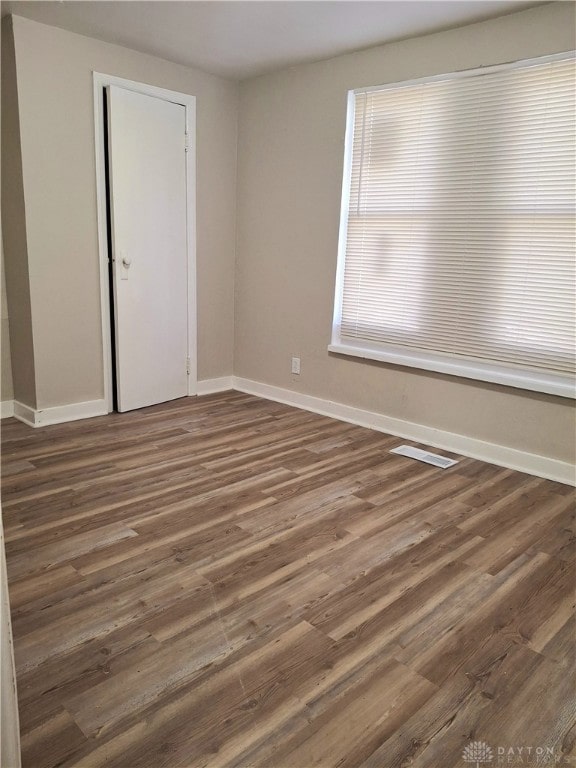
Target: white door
[{"x": 147, "y": 173}]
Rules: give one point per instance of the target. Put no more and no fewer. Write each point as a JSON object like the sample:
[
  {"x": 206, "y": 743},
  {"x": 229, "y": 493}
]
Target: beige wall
[
  {"x": 54, "y": 74},
  {"x": 14, "y": 237},
  {"x": 6, "y": 385},
  {"x": 291, "y": 143}
]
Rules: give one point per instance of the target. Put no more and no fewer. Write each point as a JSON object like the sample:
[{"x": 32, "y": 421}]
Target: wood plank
[{"x": 228, "y": 581}]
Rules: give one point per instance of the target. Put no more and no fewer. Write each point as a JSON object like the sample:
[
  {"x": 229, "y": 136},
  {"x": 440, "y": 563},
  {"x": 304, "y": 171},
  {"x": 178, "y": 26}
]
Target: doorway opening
[
  {"x": 109, "y": 251},
  {"x": 130, "y": 365}
]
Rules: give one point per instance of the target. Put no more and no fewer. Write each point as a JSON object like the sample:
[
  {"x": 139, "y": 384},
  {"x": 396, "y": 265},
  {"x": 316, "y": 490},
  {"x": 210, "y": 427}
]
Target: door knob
[{"x": 126, "y": 261}]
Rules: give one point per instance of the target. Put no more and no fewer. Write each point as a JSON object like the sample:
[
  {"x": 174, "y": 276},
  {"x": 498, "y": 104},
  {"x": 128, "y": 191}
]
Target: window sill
[{"x": 552, "y": 384}]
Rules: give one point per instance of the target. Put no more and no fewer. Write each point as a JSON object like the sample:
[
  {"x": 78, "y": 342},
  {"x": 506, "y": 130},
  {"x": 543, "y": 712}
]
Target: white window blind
[{"x": 458, "y": 233}]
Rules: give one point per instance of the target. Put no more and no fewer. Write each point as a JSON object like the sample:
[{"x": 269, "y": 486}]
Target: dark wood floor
[{"x": 232, "y": 582}]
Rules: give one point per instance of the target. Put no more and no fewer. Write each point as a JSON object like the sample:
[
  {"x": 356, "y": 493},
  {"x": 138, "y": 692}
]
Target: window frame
[{"x": 479, "y": 369}]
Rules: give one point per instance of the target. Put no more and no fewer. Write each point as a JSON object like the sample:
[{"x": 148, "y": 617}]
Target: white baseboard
[
  {"x": 533, "y": 464},
  {"x": 211, "y": 386},
  {"x": 512, "y": 458},
  {"x": 24, "y": 413},
  {"x": 59, "y": 414}
]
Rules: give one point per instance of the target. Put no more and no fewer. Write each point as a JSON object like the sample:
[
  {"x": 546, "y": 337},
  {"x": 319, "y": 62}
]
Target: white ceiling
[{"x": 241, "y": 38}]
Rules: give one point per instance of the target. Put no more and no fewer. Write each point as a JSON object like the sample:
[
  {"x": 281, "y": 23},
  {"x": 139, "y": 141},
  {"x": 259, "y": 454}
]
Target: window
[{"x": 457, "y": 231}]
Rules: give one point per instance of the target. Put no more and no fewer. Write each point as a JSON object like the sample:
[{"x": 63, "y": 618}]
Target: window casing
[{"x": 456, "y": 249}]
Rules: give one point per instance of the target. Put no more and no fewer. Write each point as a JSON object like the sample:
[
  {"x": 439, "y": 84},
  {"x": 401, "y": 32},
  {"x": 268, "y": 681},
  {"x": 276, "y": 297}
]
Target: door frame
[{"x": 100, "y": 81}]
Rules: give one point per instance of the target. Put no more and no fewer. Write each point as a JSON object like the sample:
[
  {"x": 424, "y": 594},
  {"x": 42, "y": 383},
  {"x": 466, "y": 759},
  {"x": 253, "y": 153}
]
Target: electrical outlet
[{"x": 296, "y": 365}]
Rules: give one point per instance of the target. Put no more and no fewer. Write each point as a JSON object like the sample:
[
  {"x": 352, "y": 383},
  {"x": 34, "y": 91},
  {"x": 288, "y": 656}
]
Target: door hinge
[
  {"x": 186, "y": 142},
  {"x": 188, "y": 366}
]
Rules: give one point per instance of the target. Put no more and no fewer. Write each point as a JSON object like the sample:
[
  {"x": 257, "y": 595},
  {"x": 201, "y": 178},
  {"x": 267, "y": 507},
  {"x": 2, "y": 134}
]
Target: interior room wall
[
  {"x": 6, "y": 385},
  {"x": 291, "y": 145},
  {"x": 55, "y": 99},
  {"x": 14, "y": 246}
]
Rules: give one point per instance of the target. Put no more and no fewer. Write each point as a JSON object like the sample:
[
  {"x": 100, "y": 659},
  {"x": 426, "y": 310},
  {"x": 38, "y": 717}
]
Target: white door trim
[
  {"x": 10, "y": 730},
  {"x": 100, "y": 81}
]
